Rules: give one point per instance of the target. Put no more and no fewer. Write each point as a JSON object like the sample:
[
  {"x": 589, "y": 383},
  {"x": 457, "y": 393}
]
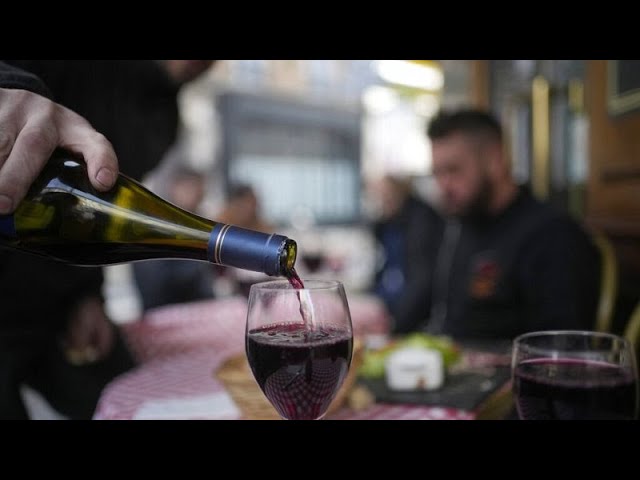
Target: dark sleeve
[
  {"x": 38, "y": 293},
  {"x": 16, "y": 78},
  {"x": 561, "y": 277},
  {"x": 425, "y": 228}
]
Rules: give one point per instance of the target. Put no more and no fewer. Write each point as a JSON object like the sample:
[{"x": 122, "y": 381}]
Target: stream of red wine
[
  {"x": 295, "y": 280},
  {"x": 306, "y": 311}
]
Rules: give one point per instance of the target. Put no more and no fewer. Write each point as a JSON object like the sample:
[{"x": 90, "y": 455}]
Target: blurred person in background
[
  {"x": 507, "y": 263},
  {"x": 55, "y": 335},
  {"x": 242, "y": 208},
  {"x": 164, "y": 282},
  {"x": 406, "y": 232}
]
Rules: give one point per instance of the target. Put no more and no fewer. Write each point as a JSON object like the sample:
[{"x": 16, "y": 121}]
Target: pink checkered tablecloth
[
  {"x": 181, "y": 346},
  {"x": 176, "y": 387},
  {"x": 212, "y": 325},
  {"x": 220, "y": 324}
]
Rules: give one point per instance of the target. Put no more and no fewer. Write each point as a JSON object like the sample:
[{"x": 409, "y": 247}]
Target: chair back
[
  {"x": 632, "y": 330},
  {"x": 608, "y": 283}
]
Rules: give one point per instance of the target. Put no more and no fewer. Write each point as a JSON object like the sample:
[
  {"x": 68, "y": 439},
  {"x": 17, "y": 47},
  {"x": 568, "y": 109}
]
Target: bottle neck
[{"x": 251, "y": 250}]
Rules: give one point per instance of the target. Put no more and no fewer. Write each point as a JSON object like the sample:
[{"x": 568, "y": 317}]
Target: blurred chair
[
  {"x": 608, "y": 283},
  {"x": 632, "y": 330}
]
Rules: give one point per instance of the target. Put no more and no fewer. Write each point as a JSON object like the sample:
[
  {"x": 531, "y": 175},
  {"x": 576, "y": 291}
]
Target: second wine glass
[
  {"x": 299, "y": 344},
  {"x": 574, "y": 375}
]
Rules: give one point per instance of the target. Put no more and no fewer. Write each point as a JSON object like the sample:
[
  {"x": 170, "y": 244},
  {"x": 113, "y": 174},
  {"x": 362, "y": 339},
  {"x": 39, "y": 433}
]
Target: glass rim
[
  {"x": 311, "y": 284},
  {"x": 584, "y": 333}
]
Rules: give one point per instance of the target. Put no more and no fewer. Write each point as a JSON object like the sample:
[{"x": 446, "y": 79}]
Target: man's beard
[{"x": 478, "y": 209}]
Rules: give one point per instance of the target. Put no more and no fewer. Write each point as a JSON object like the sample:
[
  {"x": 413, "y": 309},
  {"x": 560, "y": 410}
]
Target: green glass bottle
[{"x": 65, "y": 218}]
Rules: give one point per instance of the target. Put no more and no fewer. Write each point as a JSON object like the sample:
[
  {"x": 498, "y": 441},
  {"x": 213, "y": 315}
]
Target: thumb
[{"x": 78, "y": 136}]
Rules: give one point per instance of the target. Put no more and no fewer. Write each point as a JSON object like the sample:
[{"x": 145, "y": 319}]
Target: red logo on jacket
[{"x": 485, "y": 274}]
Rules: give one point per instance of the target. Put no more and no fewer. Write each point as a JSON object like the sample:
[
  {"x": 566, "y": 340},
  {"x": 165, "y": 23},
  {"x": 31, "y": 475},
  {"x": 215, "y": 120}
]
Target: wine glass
[
  {"x": 574, "y": 375},
  {"x": 299, "y": 344}
]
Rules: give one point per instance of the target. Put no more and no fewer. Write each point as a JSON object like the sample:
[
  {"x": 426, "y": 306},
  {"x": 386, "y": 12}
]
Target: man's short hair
[{"x": 466, "y": 121}]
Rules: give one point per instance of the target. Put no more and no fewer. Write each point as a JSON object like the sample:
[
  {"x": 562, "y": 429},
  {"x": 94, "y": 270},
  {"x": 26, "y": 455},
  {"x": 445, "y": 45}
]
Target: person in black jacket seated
[
  {"x": 55, "y": 335},
  {"x": 507, "y": 263},
  {"x": 406, "y": 233}
]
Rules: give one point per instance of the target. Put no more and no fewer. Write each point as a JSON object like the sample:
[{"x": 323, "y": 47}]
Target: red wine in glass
[
  {"x": 299, "y": 371},
  {"x": 569, "y": 389}
]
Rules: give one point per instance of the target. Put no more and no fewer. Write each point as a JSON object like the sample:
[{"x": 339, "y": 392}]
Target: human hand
[
  {"x": 31, "y": 128},
  {"x": 90, "y": 334}
]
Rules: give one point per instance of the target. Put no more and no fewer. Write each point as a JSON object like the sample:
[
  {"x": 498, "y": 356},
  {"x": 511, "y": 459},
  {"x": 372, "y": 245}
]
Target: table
[
  {"x": 220, "y": 325},
  {"x": 183, "y": 386},
  {"x": 180, "y": 347}
]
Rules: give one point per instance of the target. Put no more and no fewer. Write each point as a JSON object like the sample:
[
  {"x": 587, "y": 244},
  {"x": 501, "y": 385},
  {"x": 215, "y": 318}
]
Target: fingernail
[
  {"x": 105, "y": 177},
  {"x": 5, "y": 204}
]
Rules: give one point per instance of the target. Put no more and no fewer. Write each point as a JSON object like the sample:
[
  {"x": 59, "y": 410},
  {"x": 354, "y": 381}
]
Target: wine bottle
[{"x": 63, "y": 217}]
